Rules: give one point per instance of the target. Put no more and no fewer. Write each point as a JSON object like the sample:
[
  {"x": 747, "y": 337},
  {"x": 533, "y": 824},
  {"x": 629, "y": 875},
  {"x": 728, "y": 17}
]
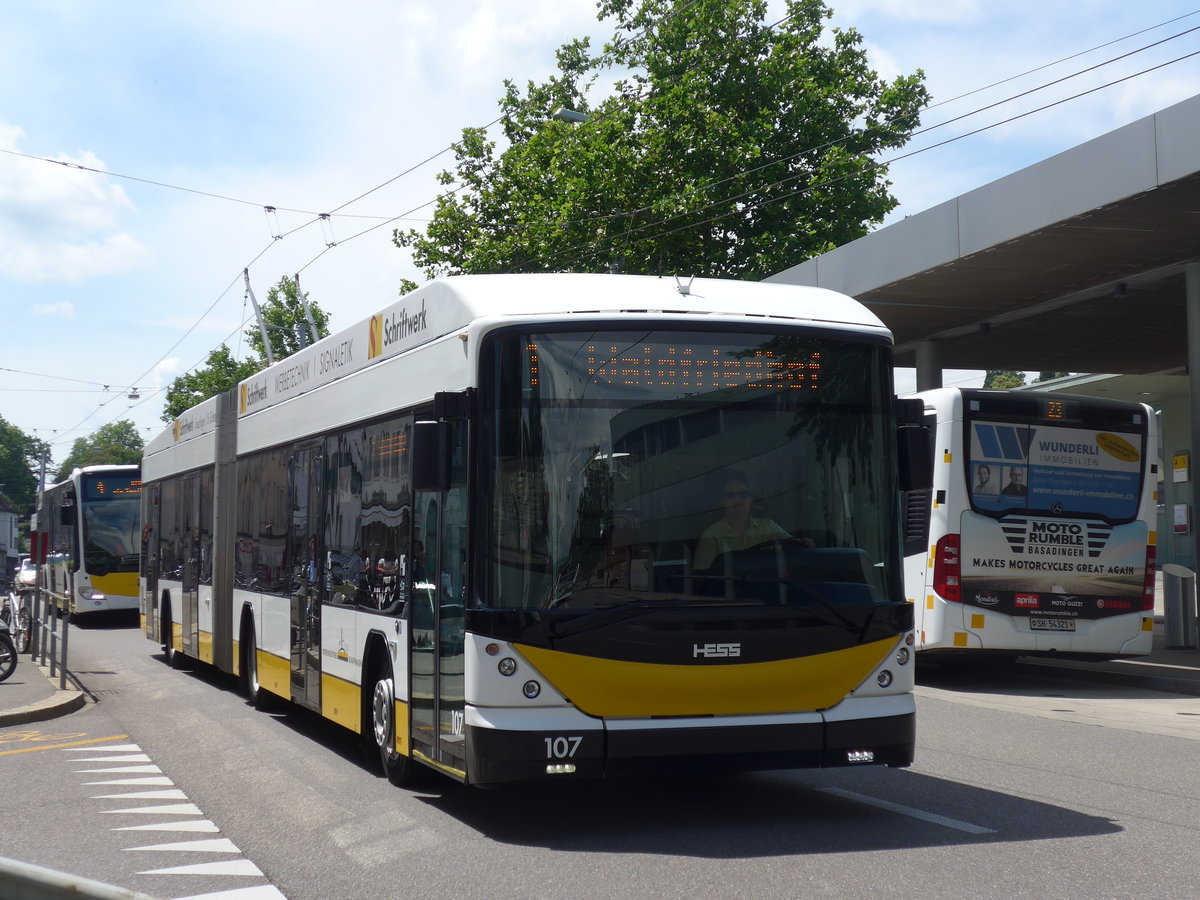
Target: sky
[{"x": 141, "y": 142}]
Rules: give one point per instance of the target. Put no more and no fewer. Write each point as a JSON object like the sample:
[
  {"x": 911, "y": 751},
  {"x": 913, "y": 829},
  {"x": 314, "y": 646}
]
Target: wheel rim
[{"x": 382, "y": 707}]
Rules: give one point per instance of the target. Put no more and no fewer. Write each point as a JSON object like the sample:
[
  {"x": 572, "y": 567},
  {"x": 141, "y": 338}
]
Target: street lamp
[{"x": 569, "y": 115}]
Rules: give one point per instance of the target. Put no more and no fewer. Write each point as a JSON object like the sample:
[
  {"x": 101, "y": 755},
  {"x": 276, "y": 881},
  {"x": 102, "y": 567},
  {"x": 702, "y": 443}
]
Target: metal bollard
[{"x": 1179, "y": 599}]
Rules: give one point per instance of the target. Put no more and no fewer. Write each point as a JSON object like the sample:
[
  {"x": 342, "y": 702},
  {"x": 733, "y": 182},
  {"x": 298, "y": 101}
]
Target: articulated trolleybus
[
  {"x": 526, "y": 526},
  {"x": 93, "y": 522},
  {"x": 1038, "y": 536}
]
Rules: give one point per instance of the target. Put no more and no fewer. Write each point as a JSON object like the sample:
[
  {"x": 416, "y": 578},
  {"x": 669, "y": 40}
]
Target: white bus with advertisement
[
  {"x": 1038, "y": 536},
  {"x": 521, "y": 527}
]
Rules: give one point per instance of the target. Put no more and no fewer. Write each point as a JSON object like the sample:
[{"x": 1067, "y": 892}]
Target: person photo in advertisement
[{"x": 1016, "y": 482}]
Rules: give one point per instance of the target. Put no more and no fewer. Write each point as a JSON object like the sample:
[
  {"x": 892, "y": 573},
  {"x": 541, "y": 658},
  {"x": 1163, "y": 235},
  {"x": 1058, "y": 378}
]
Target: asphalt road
[{"x": 1021, "y": 789}]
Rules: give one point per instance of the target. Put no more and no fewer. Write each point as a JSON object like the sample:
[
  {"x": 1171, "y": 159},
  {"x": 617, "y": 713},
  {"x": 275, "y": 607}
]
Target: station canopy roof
[{"x": 1073, "y": 264}]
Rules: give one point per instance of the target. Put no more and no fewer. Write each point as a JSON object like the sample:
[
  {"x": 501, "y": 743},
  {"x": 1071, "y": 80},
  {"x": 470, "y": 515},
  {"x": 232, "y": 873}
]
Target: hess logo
[{"x": 716, "y": 651}]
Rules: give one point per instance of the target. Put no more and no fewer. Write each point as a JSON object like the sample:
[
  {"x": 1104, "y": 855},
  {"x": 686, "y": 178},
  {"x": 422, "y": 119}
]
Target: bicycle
[
  {"x": 8, "y": 653},
  {"x": 16, "y": 617}
]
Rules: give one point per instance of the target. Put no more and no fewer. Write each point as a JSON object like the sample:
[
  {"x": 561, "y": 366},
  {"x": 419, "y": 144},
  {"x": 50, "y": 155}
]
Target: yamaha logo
[{"x": 716, "y": 651}]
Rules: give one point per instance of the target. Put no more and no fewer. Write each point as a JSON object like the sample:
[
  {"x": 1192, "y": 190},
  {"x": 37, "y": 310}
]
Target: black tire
[
  {"x": 8, "y": 656},
  {"x": 252, "y": 690},
  {"x": 23, "y": 634},
  {"x": 171, "y": 656},
  {"x": 399, "y": 769}
]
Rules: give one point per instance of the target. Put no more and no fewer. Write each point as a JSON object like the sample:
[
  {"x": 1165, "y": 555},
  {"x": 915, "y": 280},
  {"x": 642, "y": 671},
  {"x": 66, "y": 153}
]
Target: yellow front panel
[
  {"x": 609, "y": 687},
  {"x": 117, "y": 584},
  {"x": 206, "y": 653},
  {"x": 341, "y": 702},
  {"x": 275, "y": 674}
]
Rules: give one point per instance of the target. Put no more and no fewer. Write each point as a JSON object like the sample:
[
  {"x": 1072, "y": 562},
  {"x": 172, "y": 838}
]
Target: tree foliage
[
  {"x": 288, "y": 329},
  {"x": 20, "y": 463},
  {"x": 1003, "y": 380},
  {"x": 730, "y": 147},
  {"x": 116, "y": 443}
]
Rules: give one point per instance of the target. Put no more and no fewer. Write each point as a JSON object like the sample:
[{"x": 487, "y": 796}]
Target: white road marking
[
  {"x": 265, "y": 892},
  {"x": 240, "y": 867},
  {"x": 119, "y": 758},
  {"x": 174, "y": 809},
  {"x": 909, "y": 811},
  {"x": 175, "y": 794},
  {"x": 149, "y": 779},
  {"x": 203, "y": 825},
  {"x": 214, "y": 845},
  {"x": 149, "y": 770},
  {"x": 129, "y": 760}
]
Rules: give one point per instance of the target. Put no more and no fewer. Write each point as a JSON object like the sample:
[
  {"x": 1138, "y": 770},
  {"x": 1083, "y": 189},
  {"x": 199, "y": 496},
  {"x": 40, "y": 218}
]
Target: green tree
[
  {"x": 287, "y": 326},
  {"x": 20, "y": 463},
  {"x": 1049, "y": 376},
  {"x": 1003, "y": 380},
  {"x": 219, "y": 373},
  {"x": 729, "y": 147},
  {"x": 115, "y": 443}
]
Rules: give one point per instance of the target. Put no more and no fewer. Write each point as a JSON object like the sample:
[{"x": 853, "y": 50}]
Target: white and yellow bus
[
  {"x": 467, "y": 528},
  {"x": 93, "y": 521},
  {"x": 1038, "y": 536}
]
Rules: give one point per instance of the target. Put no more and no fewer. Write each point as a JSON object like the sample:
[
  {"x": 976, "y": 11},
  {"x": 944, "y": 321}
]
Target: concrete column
[
  {"x": 929, "y": 365},
  {"x": 1192, "y": 291}
]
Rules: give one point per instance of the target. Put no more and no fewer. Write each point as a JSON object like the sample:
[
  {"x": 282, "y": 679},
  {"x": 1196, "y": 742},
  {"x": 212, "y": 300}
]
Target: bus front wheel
[{"x": 399, "y": 769}]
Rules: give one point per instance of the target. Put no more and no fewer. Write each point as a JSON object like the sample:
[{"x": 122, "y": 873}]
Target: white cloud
[
  {"x": 59, "y": 223},
  {"x": 61, "y": 310},
  {"x": 957, "y": 12}
]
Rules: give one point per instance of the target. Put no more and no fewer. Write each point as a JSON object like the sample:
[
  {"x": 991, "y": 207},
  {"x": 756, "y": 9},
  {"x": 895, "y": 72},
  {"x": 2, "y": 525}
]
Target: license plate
[{"x": 1052, "y": 624}]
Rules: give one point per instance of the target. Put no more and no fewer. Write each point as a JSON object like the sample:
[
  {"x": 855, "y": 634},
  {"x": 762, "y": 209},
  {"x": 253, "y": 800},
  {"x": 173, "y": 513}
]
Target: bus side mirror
[
  {"x": 915, "y": 452},
  {"x": 431, "y": 456}
]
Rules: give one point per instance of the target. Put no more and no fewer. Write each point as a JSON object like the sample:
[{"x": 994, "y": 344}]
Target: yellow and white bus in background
[
  {"x": 93, "y": 524},
  {"x": 1038, "y": 535},
  {"x": 469, "y": 529}
]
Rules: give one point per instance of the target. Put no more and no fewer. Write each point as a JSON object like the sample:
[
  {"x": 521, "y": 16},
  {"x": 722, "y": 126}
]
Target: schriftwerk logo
[
  {"x": 393, "y": 328},
  {"x": 716, "y": 651},
  {"x": 375, "y": 338}
]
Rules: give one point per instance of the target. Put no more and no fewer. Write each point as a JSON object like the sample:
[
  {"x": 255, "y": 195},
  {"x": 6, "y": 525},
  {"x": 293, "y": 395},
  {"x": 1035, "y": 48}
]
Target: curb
[
  {"x": 1157, "y": 680},
  {"x": 60, "y": 703}
]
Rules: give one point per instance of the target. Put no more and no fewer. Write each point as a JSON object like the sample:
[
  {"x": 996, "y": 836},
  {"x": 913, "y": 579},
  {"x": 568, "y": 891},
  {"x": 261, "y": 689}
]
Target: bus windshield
[
  {"x": 688, "y": 467},
  {"x": 111, "y": 508}
]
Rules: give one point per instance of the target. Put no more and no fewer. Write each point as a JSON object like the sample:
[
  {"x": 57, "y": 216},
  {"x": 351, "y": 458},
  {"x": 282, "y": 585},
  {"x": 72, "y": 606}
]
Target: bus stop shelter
[{"x": 1085, "y": 262}]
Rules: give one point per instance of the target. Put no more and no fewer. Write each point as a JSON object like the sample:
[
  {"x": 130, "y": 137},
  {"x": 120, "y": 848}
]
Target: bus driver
[{"x": 737, "y": 529}]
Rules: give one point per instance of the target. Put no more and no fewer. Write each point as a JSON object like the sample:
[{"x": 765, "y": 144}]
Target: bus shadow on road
[
  {"x": 1027, "y": 678},
  {"x": 762, "y": 814}
]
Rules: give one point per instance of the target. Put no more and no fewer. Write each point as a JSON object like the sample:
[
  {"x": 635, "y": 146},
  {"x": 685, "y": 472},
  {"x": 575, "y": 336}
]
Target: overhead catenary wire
[{"x": 596, "y": 252}]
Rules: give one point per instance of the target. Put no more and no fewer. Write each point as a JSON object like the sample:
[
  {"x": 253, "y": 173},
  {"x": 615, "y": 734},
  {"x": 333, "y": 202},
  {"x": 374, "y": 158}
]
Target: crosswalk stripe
[
  {"x": 119, "y": 758},
  {"x": 174, "y": 809},
  {"x": 213, "y": 845},
  {"x": 262, "y": 892},
  {"x": 144, "y": 795},
  {"x": 149, "y": 770},
  {"x": 203, "y": 825},
  {"x": 116, "y": 748},
  {"x": 228, "y": 867},
  {"x": 149, "y": 779}
]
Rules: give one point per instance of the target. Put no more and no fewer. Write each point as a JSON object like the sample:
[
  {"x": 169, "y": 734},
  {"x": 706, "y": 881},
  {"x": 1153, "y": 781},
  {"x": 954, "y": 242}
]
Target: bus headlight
[
  {"x": 531, "y": 689},
  {"x": 884, "y": 678},
  {"x": 88, "y": 595},
  {"x": 507, "y": 666},
  {"x": 902, "y": 656}
]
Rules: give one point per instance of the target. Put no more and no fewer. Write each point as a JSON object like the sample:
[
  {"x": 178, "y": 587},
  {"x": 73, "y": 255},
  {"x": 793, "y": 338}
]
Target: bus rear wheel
[{"x": 399, "y": 769}]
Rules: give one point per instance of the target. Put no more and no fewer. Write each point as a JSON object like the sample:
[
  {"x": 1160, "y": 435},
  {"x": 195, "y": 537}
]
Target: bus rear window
[{"x": 1055, "y": 469}]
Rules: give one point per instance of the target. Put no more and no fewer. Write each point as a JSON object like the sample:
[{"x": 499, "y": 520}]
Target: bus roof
[{"x": 453, "y": 305}]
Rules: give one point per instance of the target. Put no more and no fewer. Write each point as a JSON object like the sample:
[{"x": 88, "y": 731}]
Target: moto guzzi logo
[{"x": 716, "y": 651}]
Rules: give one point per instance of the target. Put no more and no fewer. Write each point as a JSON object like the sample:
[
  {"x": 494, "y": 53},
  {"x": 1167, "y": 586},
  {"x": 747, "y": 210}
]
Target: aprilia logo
[{"x": 716, "y": 651}]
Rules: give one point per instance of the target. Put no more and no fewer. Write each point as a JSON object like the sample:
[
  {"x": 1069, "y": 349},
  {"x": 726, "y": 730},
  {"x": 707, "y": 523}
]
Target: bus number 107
[{"x": 562, "y": 747}]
